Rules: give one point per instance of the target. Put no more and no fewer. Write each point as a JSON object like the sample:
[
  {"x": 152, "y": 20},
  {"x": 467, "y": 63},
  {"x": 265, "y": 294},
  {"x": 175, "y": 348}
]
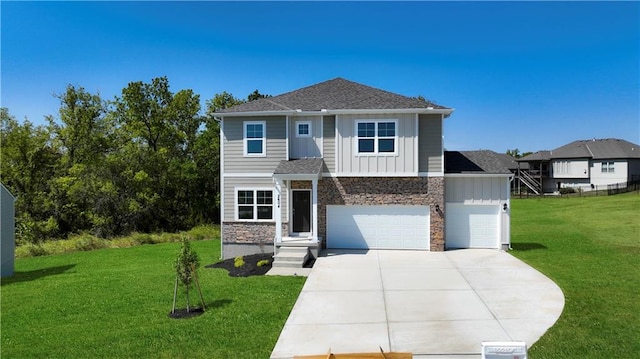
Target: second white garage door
[
  {"x": 472, "y": 226},
  {"x": 378, "y": 227}
]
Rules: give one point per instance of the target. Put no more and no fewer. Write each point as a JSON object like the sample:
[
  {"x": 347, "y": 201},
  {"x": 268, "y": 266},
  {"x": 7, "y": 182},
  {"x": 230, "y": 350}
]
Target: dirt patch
[{"x": 250, "y": 266}]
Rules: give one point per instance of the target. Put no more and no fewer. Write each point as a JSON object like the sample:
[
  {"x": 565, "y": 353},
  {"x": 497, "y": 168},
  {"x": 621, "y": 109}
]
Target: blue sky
[{"x": 527, "y": 75}]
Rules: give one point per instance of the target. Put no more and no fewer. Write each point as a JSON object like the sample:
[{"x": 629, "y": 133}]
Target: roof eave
[
  {"x": 442, "y": 111},
  {"x": 297, "y": 176}
]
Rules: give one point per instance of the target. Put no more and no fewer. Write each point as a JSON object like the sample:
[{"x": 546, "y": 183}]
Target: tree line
[{"x": 146, "y": 161}]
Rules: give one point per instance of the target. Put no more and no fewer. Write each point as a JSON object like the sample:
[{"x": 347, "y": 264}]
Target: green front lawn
[
  {"x": 591, "y": 248},
  {"x": 113, "y": 303}
]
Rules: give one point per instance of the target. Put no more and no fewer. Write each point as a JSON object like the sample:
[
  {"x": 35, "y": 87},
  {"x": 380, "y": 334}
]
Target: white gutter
[
  {"x": 442, "y": 111},
  {"x": 478, "y": 174}
]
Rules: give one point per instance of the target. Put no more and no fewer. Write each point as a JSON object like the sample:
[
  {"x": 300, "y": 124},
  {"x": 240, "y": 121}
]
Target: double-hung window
[
  {"x": 255, "y": 139},
  {"x": 254, "y": 205},
  {"x": 608, "y": 166},
  {"x": 376, "y": 137}
]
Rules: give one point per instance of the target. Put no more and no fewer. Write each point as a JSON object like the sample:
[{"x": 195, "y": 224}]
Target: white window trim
[
  {"x": 607, "y": 167},
  {"x": 255, "y": 204},
  {"x": 298, "y": 135},
  {"x": 245, "y": 139},
  {"x": 375, "y": 139}
]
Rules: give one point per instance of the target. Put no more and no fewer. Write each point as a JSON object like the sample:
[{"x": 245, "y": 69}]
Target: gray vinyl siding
[
  {"x": 305, "y": 147},
  {"x": 329, "y": 143},
  {"x": 350, "y": 163},
  {"x": 430, "y": 143},
  {"x": 230, "y": 185},
  {"x": 276, "y": 145}
]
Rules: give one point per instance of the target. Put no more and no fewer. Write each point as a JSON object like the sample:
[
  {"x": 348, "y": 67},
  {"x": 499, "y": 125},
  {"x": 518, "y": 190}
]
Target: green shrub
[
  {"x": 33, "y": 250},
  {"x": 141, "y": 238},
  {"x": 204, "y": 231},
  {"x": 567, "y": 190},
  {"x": 238, "y": 262},
  {"x": 89, "y": 243},
  {"x": 263, "y": 262}
]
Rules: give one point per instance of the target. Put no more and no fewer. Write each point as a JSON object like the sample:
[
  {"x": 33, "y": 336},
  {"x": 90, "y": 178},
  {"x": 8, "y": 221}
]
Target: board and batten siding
[
  {"x": 329, "y": 143},
  {"x": 430, "y": 154},
  {"x": 305, "y": 147},
  {"x": 476, "y": 190},
  {"x": 276, "y": 145},
  {"x": 349, "y": 163},
  {"x": 229, "y": 192}
]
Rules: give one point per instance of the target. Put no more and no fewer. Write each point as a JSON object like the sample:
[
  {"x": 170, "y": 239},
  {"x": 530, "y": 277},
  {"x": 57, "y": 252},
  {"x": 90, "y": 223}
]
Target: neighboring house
[
  {"x": 583, "y": 164},
  {"x": 344, "y": 165},
  {"x": 512, "y": 164},
  {"x": 7, "y": 231}
]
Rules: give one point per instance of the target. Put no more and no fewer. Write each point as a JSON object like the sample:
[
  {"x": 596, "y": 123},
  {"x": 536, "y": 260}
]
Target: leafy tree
[
  {"x": 255, "y": 95},
  {"x": 84, "y": 131},
  {"x": 84, "y": 137},
  {"x": 28, "y": 163},
  {"x": 221, "y": 101},
  {"x": 516, "y": 153}
]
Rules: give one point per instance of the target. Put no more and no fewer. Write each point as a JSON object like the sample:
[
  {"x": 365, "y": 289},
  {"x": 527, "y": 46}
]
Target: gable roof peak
[{"x": 336, "y": 94}]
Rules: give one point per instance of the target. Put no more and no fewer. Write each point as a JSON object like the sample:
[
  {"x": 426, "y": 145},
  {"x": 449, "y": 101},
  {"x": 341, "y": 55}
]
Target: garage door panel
[
  {"x": 378, "y": 227},
  {"x": 472, "y": 226}
]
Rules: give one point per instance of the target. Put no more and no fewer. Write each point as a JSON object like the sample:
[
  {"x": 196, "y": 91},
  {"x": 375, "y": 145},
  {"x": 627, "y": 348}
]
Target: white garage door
[
  {"x": 472, "y": 226},
  {"x": 378, "y": 227}
]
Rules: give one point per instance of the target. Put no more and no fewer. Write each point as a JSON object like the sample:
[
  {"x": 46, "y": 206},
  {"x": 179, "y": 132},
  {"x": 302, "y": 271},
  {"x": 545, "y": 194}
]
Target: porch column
[
  {"x": 314, "y": 208},
  {"x": 278, "y": 211}
]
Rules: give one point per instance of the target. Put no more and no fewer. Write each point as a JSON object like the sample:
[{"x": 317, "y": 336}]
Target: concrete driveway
[{"x": 433, "y": 304}]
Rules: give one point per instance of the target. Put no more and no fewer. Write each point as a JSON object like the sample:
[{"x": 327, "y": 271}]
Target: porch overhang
[{"x": 304, "y": 169}]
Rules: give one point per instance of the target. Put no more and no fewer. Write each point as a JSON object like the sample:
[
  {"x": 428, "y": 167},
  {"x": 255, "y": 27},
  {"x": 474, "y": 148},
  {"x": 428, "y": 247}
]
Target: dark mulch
[
  {"x": 249, "y": 268},
  {"x": 183, "y": 314}
]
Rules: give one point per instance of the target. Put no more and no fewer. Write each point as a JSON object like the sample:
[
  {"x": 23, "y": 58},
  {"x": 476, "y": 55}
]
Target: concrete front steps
[
  {"x": 290, "y": 261},
  {"x": 290, "y": 257}
]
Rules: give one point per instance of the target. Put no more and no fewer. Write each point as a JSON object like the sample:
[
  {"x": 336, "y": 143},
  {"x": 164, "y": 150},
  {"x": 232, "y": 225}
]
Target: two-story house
[
  {"x": 344, "y": 165},
  {"x": 583, "y": 164}
]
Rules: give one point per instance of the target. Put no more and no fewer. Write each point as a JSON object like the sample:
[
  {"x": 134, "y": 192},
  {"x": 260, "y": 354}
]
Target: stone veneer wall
[
  {"x": 385, "y": 191},
  {"x": 250, "y": 232}
]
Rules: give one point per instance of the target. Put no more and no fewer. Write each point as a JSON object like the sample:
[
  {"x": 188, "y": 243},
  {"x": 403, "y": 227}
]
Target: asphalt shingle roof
[
  {"x": 536, "y": 156},
  {"x": 336, "y": 94},
  {"x": 598, "y": 149},
  {"x": 300, "y": 166},
  {"x": 607, "y": 148},
  {"x": 482, "y": 161}
]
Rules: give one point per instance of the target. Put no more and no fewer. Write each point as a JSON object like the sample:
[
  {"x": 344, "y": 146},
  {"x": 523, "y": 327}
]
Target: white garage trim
[
  {"x": 378, "y": 227},
  {"x": 472, "y": 226}
]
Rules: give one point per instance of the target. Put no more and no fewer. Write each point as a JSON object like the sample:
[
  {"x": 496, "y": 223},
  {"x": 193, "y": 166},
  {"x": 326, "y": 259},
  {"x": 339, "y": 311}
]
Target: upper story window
[
  {"x": 607, "y": 167},
  {"x": 255, "y": 143},
  {"x": 376, "y": 137},
  {"x": 254, "y": 205},
  {"x": 303, "y": 128}
]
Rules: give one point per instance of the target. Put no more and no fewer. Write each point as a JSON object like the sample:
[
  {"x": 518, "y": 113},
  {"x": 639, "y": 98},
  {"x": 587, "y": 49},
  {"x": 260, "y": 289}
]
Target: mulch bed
[
  {"x": 249, "y": 268},
  {"x": 183, "y": 314}
]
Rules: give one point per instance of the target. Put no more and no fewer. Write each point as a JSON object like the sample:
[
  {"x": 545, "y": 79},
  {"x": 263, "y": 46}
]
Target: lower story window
[
  {"x": 255, "y": 205},
  {"x": 607, "y": 167}
]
